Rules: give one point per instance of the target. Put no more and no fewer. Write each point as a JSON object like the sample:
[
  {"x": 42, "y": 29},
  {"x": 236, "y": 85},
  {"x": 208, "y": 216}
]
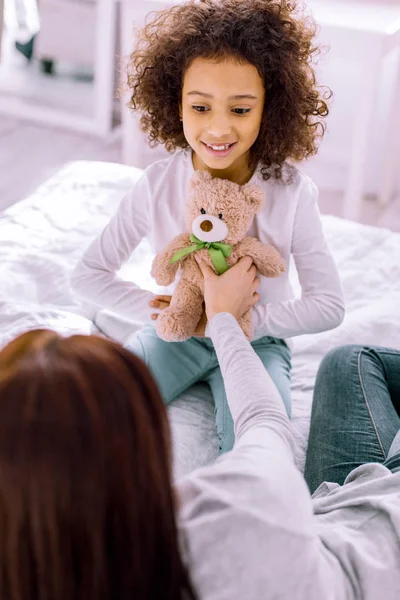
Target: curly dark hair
[{"x": 273, "y": 35}]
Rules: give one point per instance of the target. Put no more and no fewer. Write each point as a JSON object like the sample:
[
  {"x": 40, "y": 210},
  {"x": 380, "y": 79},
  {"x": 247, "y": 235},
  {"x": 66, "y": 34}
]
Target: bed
[{"x": 42, "y": 237}]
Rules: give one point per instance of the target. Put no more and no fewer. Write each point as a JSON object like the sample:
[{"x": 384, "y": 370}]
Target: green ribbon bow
[{"x": 217, "y": 250}]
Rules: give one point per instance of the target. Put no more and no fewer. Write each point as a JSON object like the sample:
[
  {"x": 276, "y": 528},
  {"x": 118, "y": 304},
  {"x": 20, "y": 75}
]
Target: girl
[{"x": 227, "y": 86}]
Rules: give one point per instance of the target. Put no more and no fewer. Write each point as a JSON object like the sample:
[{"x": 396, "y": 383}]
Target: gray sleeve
[
  {"x": 256, "y": 406},
  {"x": 252, "y": 507}
]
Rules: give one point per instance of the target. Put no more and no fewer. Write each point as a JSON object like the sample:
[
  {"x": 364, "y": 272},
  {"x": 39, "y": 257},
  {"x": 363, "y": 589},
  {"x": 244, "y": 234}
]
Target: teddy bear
[{"x": 218, "y": 214}]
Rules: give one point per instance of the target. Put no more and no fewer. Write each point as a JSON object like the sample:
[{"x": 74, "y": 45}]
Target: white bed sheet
[{"x": 42, "y": 237}]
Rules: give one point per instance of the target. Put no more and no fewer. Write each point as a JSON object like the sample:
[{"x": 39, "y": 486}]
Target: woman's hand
[
  {"x": 162, "y": 302},
  {"x": 234, "y": 291}
]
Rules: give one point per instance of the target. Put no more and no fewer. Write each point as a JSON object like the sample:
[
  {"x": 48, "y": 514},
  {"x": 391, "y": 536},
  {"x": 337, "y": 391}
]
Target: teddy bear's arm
[
  {"x": 266, "y": 258},
  {"x": 162, "y": 270}
]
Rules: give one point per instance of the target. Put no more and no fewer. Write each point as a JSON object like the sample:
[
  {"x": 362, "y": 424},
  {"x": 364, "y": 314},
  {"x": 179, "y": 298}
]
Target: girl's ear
[
  {"x": 254, "y": 195},
  {"x": 200, "y": 177}
]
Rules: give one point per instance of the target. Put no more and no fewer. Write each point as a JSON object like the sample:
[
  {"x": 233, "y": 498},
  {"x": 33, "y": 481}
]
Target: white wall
[{"x": 341, "y": 69}]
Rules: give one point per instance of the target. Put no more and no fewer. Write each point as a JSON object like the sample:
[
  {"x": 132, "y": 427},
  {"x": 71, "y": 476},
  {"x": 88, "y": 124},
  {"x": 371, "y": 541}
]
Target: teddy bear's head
[{"x": 218, "y": 210}]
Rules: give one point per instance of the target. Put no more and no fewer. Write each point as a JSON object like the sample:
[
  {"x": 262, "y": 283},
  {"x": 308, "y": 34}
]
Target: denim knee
[
  {"x": 337, "y": 371},
  {"x": 338, "y": 359}
]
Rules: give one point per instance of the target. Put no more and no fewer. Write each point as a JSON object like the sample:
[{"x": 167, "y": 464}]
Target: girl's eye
[
  {"x": 220, "y": 216},
  {"x": 203, "y": 212},
  {"x": 241, "y": 111},
  {"x": 200, "y": 109}
]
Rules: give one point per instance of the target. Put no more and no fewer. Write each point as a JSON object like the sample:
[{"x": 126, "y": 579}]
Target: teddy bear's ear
[
  {"x": 199, "y": 177},
  {"x": 254, "y": 195}
]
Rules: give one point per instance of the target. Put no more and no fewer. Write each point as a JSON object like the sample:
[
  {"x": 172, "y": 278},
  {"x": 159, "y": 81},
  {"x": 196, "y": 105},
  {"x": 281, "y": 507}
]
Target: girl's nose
[{"x": 219, "y": 127}]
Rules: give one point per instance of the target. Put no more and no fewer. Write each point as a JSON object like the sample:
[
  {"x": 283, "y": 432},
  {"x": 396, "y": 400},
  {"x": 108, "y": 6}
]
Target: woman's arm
[
  {"x": 252, "y": 505},
  {"x": 321, "y": 306},
  {"x": 95, "y": 277},
  {"x": 256, "y": 406}
]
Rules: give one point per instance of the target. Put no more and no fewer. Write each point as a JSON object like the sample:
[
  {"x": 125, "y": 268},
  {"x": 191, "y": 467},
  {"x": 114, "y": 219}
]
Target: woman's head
[
  {"x": 86, "y": 502},
  {"x": 224, "y": 49}
]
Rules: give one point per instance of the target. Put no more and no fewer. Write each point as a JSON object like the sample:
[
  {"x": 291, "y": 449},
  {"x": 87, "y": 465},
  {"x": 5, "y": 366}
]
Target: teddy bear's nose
[{"x": 206, "y": 226}]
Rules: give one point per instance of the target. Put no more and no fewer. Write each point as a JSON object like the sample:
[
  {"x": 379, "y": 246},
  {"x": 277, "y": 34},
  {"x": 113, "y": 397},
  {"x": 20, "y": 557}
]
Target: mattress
[{"x": 42, "y": 237}]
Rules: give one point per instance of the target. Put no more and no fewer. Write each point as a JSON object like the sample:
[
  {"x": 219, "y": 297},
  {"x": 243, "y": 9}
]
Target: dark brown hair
[
  {"x": 272, "y": 35},
  {"x": 87, "y": 508}
]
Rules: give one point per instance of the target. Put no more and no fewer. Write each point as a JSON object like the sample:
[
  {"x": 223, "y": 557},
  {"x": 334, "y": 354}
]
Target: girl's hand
[
  {"x": 162, "y": 302},
  {"x": 233, "y": 292}
]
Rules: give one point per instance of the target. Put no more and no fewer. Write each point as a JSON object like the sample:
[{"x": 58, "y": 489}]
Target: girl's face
[{"x": 222, "y": 108}]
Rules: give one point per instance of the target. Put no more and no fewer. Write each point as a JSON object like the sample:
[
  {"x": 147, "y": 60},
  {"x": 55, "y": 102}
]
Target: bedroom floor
[{"x": 30, "y": 154}]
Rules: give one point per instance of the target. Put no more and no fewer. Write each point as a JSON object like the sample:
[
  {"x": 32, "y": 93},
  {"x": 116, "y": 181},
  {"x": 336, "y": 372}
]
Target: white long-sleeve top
[
  {"x": 250, "y": 529},
  {"x": 289, "y": 220}
]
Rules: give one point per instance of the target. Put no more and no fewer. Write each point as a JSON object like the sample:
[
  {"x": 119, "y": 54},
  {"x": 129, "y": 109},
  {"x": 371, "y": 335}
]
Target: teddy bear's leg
[
  {"x": 246, "y": 323},
  {"x": 178, "y": 322}
]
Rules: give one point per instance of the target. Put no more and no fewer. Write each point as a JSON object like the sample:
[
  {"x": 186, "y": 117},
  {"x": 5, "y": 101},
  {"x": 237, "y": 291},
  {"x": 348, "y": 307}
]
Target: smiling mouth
[
  {"x": 219, "y": 147},
  {"x": 219, "y": 150}
]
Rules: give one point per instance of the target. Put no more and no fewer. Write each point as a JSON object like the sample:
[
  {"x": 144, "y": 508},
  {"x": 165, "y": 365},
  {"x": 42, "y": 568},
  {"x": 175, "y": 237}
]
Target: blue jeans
[
  {"x": 355, "y": 415},
  {"x": 178, "y": 365}
]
